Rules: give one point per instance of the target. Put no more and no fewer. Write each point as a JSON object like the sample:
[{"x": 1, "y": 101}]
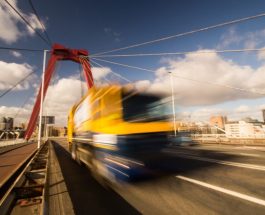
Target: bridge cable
[
  {"x": 23, "y": 105},
  {"x": 126, "y": 97},
  {"x": 42, "y": 26},
  {"x": 185, "y": 78},
  {"x": 82, "y": 60},
  {"x": 21, "y": 49},
  {"x": 184, "y": 33},
  {"x": 80, "y": 77},
  {"x": 117, "y": 74},
  {"x": 28, "y": 24},
  {"x": 20, "y": 81},
  {"x": 182, "y": 53},
  {"x": 108, "y": 81}
]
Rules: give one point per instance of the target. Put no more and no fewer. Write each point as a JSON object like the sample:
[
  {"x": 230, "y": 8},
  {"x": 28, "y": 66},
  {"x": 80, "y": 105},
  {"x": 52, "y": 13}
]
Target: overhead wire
[
  {"x": 183, "y": 34},
  {"x": 42, "y": 26},
  {"x": 108, "y": 81},
  {"x": 82, "y": 61},
  {"x": 28, "y": 24},
  {"x": 80, "y": 76},
  {"x": 184, "y": 78},
  {"x": 117, "y": 74},
  {"x": 23, "y": 105},
  {"x": 21, "y": 49},
  {"x": 182, "y": 53},
  {"x": 20, "y": 81}
]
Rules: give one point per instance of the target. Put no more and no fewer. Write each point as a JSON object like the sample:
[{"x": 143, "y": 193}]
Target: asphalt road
[
  {"x": 87, "y": 196},
  {"x": 202, "y": 179}
]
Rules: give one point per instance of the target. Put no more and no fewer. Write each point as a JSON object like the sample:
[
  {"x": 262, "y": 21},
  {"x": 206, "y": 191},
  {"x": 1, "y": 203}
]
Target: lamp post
[
  {"x": 173, "y": 103},
  {"x": 41, "y": 98}
]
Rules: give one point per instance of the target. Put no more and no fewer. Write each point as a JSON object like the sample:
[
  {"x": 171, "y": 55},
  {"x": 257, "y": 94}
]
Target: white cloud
[
  {"x": 249, "y": 40},
  {"x": 10, "y": 23},
  {"x": 254, "y": 39},
  {"x": 100, "y": 72},
  {"x": 62, "y": 95},
  {"x": 204, "y": 114},
  {"x": 11, "y": 73},
  {"x": 21, "y": 114},
  {"x": 116, "y": 35},
  {"x": 142, "y": 85},
  {"x": 207, "y": 68},
  {"x": 242, "y": 108},
  {"x": 230, "y": 37},
  {"x": 261, "y": 54},
  {"x": 16, "y": 54}
]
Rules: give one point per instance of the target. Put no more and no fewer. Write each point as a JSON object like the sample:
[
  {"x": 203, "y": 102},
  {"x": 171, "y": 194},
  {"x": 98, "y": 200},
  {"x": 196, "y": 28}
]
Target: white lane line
[
  {"x": 243, "y": 165},
  {"x": 223, "y": 190},
  {"x": 224, "y": 152}
]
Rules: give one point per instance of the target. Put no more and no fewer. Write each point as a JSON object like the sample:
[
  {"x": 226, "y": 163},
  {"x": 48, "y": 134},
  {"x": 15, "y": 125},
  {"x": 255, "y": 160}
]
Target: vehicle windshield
[{"x": 144, "y": 108}]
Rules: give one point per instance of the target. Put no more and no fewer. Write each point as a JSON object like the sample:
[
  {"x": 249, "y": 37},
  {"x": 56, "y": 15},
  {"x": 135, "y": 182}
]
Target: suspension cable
[
  {"x": 92, "y": 64},
  {"x": 184, "y": 34},
  {"x": 21, "y": 49},
  {"x": 80, "y": 76},
  {"x": 27, "y": 23},
  {"x": 185, "y": 78},
  {"x": 183, "y": 53},
  {"x": 42, "y": 26},
  {"x": 20, "y": 81},
  {"x": 117, "y": 74}
]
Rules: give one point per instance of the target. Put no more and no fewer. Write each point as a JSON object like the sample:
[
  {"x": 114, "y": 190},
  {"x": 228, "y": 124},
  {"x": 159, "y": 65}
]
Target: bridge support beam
[{"x": 58, "y": 52}]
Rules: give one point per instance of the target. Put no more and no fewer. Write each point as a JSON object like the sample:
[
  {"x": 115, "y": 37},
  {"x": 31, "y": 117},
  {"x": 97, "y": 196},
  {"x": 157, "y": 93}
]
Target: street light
[
  {"x": 41, "y": 98},
  {"x": 173, "y": 102}
]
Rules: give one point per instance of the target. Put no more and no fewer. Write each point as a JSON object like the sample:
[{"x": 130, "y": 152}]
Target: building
[
  {"x": 218, "y": 121},
  {"x": 56, "y": 131},
  {"x": 2, "y": 123},
  {"x": 6, "y": 123},
  {"x": 244, "y": 129},
  {"x": 47, "y": 120},
  {"x": 45, "y": 123},
  {"x": 9, "y": 123},
  {"x": 263, "y": 114}
]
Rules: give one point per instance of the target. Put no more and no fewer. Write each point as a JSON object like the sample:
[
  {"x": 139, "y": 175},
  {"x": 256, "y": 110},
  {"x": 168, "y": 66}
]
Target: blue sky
[{"x": 105, "y": 25}]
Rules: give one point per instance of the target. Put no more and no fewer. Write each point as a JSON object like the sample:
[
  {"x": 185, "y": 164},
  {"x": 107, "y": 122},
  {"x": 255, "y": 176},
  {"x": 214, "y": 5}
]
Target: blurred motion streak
[{"x": 119, "y": 132}]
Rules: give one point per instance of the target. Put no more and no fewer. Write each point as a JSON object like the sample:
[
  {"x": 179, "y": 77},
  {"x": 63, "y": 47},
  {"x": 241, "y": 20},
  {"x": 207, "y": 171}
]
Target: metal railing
[{"x": 26, "y": 186}]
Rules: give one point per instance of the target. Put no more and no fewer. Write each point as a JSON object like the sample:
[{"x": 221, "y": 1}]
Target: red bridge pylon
[{"x": 58, "y": 52}]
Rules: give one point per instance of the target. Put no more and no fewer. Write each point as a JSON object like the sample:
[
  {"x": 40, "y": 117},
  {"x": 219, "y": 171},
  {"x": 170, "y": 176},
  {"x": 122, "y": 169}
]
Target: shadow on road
[{"x": 87, "y": 195}]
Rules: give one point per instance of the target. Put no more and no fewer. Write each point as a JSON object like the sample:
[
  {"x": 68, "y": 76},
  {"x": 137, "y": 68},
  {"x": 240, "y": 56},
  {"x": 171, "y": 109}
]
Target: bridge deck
[{"x": 10, "y": 160}]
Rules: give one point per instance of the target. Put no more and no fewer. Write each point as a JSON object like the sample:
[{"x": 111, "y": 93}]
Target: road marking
[
  {"x": 224, "y": 152},
  {"x": 229, "y": 163},
  {"x": 223, "y": 190}
]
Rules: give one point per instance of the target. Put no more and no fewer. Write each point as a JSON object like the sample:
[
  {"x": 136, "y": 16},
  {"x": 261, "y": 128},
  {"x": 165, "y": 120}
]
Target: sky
[{"x": 102, "y": 25}]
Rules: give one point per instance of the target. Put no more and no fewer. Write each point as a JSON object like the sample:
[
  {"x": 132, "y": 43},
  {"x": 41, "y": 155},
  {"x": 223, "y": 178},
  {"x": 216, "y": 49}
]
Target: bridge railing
[{"x": 4, "y": 143}]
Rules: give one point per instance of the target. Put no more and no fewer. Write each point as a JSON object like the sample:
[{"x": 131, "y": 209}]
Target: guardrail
[
  {"x": 4, "y": 143},
  {"x": 223, "y": 139},
  {"x": 24, "y": 191}
]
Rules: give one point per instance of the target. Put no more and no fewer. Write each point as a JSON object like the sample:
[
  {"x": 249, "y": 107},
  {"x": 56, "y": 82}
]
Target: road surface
[{"x": 201, "y": 179}]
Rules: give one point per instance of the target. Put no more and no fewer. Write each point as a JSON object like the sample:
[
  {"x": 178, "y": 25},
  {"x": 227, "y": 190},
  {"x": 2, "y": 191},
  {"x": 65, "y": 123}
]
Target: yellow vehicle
[{"x": 116, "y": 130}]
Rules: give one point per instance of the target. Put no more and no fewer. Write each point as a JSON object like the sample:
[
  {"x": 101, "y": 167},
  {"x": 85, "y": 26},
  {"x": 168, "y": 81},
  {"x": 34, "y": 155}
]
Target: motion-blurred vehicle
[
  {"x": 183, "y": 139},
  {"x": 118, "y": 132}
]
